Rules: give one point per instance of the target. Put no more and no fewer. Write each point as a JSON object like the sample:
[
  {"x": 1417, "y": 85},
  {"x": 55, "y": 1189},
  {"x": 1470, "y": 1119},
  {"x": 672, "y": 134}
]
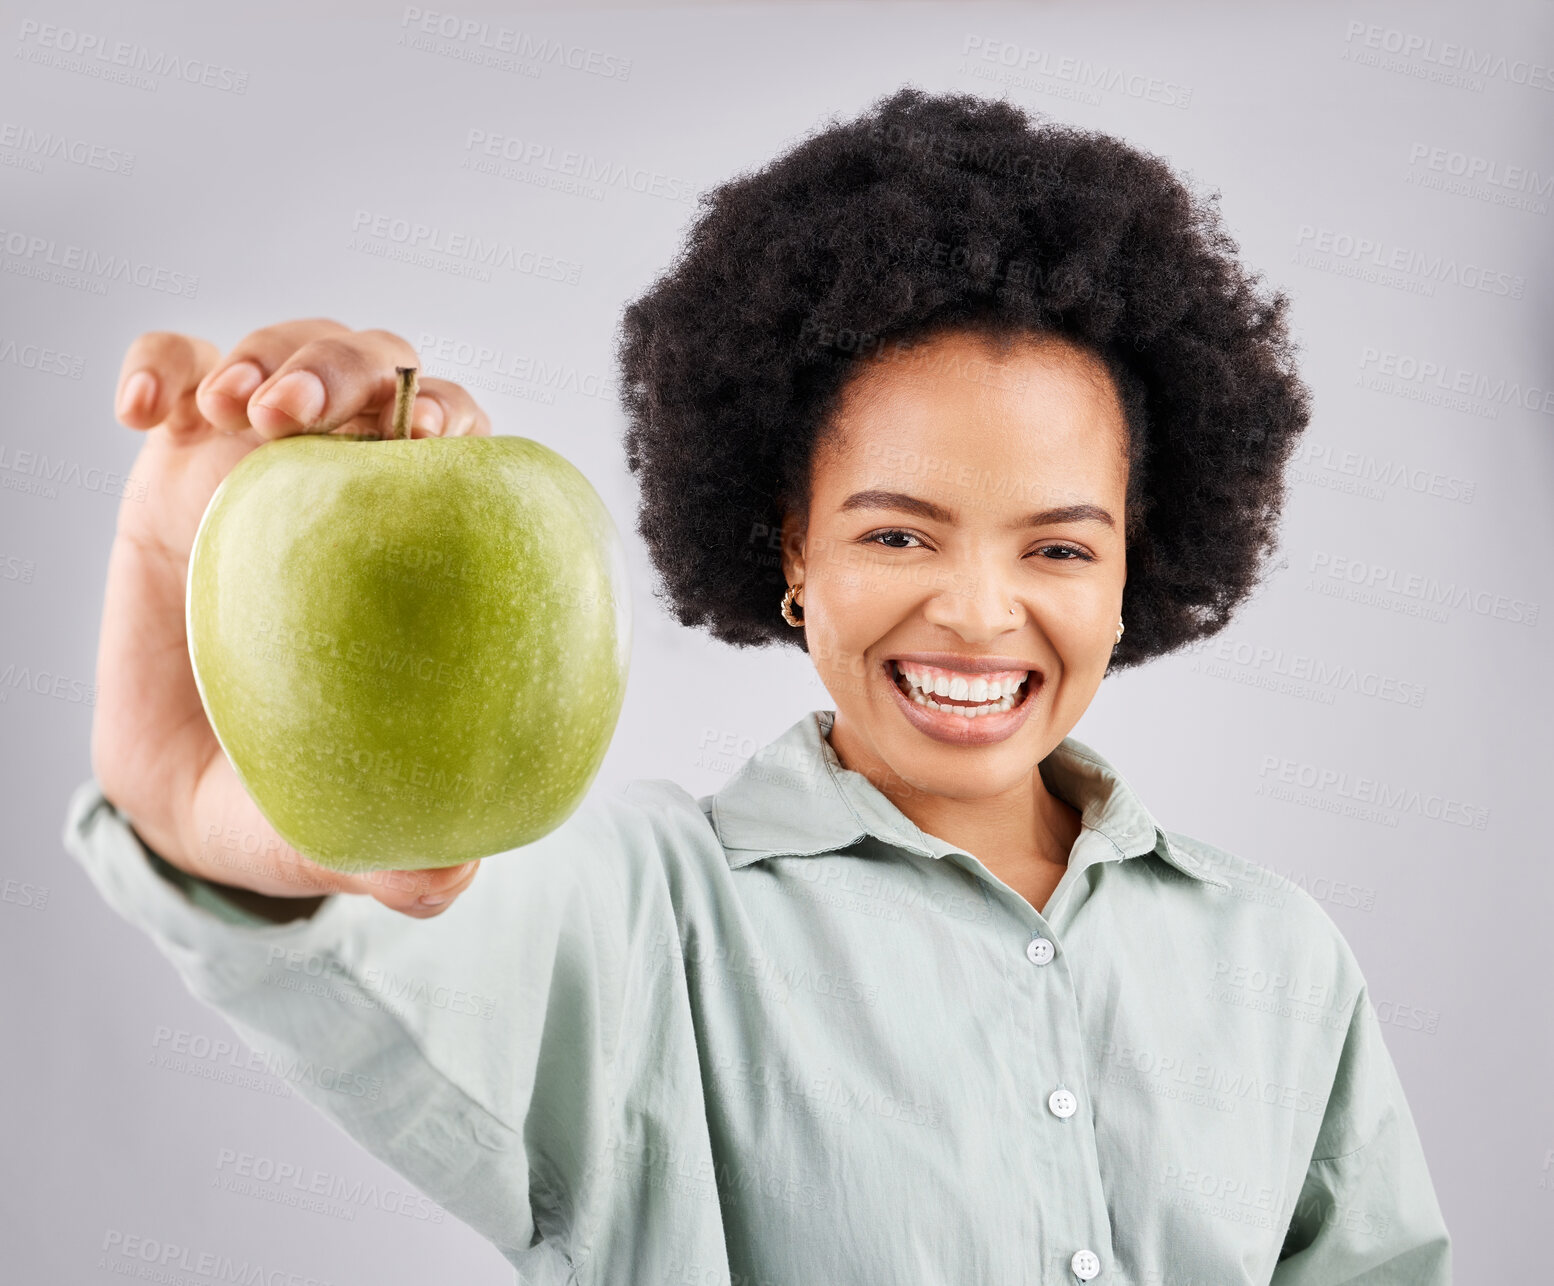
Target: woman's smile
[{"x": 962, "y": 707}]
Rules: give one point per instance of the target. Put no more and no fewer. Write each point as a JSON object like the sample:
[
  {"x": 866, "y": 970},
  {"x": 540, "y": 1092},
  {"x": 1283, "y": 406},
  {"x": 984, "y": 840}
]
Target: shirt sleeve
[
  {"x": 200, "y": 892},
  {"x": 1367, "y": 1214},
  {"x": 475, "y": 1052}
]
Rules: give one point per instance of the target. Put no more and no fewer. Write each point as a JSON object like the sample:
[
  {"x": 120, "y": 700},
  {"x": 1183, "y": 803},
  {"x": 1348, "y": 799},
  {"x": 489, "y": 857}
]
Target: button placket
[
  {"x": 1062, "y": 1102},
  {"x": 1039, "y": 950}
]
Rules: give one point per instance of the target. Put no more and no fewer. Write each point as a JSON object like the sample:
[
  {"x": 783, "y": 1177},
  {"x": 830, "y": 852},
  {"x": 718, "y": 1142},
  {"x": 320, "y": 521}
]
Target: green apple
[{"x": 413, "y": 651}]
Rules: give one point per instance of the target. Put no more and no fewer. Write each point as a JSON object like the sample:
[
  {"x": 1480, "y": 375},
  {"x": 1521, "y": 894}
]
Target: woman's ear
[{"x": 793, "y": 526}]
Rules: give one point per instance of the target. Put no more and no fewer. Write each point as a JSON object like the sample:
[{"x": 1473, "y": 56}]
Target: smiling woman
[
  {"x": 944, "y": 313},
  {"x": 979, "y": 584},
  {"x": 924, "y": 993},
  {"x": 1021, "y": 418}
]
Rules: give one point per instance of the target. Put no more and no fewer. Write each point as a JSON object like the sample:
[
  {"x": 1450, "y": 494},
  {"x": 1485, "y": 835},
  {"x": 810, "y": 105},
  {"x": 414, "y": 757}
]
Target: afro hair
[{"x": 933, "y": 212}]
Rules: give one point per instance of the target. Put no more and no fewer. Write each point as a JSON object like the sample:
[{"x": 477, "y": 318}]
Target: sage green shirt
[{"x": 779, "y": 1036}]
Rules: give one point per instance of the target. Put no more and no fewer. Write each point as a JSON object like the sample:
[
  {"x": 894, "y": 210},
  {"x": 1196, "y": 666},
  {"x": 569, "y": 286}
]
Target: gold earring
[
  {"x": 787, "y": 606},
  {"x": 1118, "y": 639}
]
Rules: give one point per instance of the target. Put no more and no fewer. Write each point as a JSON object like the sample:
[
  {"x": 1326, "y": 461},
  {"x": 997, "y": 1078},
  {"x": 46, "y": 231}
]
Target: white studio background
[{"x": 1374, "y": 725}]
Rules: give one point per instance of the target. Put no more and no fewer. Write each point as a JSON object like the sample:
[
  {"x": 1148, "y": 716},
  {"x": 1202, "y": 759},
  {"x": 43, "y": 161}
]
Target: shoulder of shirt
[
  {"x": 665, "y": 816},
  {"x": 1274, "y": 901},
  {"x": 660, "y": 795}
]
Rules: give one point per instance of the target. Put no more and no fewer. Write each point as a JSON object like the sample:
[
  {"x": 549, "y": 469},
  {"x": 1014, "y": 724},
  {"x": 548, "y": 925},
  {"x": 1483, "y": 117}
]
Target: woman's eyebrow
[{"x": 937, "y": 513}]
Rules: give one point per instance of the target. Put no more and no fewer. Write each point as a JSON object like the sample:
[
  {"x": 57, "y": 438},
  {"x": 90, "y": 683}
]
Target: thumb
[{"x": 419, "y": 894}]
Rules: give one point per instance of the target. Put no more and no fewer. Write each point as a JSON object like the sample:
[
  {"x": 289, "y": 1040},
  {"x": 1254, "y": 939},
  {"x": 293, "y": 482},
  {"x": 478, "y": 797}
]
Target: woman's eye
[
  {"x": 878, "y": 538},
  {"x": 1066, "y": 553}
]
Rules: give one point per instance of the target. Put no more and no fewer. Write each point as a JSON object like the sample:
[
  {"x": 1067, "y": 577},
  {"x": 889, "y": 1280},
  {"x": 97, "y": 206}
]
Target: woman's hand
[{"x": 153, "y": 751}]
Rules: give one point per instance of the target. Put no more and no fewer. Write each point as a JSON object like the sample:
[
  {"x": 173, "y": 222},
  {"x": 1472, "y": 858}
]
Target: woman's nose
[{"x": 976, "y": 606}]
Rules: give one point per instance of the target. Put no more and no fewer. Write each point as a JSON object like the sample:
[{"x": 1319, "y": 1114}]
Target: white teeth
[
  {"x": 998, "y": 694},
  {"x": 959, "y": 688}
]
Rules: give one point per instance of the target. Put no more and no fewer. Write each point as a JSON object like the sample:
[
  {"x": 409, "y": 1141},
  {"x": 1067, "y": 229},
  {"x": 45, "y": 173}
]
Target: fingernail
[
  {"x": 455, "y": 877},
  {"x": 238, "y": 381},
  {"x": 427, "y": 416},
  {"x": 299, "y": 395},
  {"x": 139, "y": 392}
]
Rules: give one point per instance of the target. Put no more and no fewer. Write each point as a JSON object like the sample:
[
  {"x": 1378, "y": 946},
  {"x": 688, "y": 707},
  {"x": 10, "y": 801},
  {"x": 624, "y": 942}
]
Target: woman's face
[{"x": 957, "y": 484}]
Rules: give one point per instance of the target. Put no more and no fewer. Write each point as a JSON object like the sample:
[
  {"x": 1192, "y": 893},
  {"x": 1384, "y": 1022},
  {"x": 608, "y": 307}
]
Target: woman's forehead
[{"x": 950, "y": 425}]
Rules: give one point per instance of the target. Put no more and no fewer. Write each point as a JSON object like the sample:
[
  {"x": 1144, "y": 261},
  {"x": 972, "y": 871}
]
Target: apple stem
[{"x": 404, "y": 400}]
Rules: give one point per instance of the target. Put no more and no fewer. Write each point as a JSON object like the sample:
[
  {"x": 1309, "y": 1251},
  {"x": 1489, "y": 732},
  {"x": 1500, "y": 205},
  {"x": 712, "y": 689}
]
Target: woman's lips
[
  {"x": 966, "y": 664},
  {"x": 958, "y": 729}
]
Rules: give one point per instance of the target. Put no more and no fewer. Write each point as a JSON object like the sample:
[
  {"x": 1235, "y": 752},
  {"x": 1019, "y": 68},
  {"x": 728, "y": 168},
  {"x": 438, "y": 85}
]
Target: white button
[
  {"x": 1038, "y": 950},
  {"x": 1085, "y": 1264},
  {"x": 1062, "y": 1103}
]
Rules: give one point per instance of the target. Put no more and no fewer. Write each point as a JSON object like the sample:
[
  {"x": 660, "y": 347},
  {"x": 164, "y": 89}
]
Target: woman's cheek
[
  {"x": 1081, "y": 623},
  {"x": 846, "y": 616},
  {"x": 863, "y": 604}
]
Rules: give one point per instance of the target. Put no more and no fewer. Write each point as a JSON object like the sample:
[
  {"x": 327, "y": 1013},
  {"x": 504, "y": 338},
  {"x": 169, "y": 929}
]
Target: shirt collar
[{"x": 793, "y": 798}]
